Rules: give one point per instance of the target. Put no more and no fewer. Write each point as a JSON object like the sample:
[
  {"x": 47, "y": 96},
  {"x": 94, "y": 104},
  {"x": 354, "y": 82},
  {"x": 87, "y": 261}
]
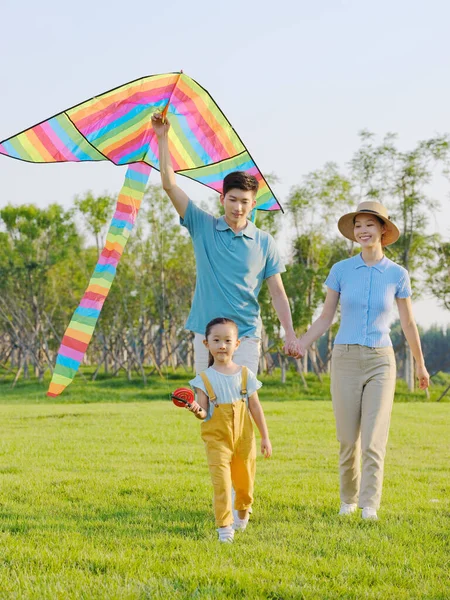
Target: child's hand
[
  {"x": 266, "y": 448},
  {"x": 194, "y": 408}
]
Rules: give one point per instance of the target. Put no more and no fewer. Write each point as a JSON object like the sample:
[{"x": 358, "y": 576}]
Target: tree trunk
[
  {"x": 409, "y": 368},
  {"x": 299, "y": 364},
  {"x": 329, "y": 350},
  {"x": 444, "y": 393},
  {"x": 283, "y": 367},
  {"x": 19, "y": 370},
  {"x": 313, "y": 360}
]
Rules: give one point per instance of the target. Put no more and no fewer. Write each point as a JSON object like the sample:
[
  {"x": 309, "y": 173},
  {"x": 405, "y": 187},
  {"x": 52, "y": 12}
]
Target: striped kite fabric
[
  {"x": 116, "y": 126},
  {"x": 79, "y": 332}
]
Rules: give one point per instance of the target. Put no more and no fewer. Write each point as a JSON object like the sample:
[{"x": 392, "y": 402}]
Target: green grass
[
  {"x": 118, "y": 389},
  {"x": 105, "y": 493}
]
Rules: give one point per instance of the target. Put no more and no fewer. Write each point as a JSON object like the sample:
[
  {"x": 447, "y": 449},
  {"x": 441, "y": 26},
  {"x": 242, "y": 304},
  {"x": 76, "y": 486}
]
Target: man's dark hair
[{"x": 240, "y": 180}]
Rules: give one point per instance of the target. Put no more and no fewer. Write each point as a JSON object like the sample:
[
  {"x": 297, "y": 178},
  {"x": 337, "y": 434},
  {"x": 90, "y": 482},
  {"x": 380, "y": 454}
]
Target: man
[{"x": 233, "y": 259}]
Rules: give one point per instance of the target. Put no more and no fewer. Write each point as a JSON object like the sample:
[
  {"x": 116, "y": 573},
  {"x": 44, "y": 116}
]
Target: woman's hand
[
  {"x": 423, "y": 377},
  {"x": 266, "y": 447}
]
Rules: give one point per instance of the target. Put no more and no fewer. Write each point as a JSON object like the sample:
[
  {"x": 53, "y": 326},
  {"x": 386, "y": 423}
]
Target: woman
[{"x": 363, "y": 370}]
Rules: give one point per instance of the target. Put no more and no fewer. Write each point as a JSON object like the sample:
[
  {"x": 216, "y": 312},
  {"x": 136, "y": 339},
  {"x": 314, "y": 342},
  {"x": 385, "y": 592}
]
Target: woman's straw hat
[{"x": 346, "y": 224}]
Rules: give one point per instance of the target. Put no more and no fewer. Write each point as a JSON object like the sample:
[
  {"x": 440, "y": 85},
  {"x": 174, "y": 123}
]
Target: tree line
[{"x": 47, "y": 256}]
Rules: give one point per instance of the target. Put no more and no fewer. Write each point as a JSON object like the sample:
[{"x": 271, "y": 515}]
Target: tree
[
  {"x": 142, "y": 321},
  {"x": 96, "y": 212},
  {"x": 33, "y": 242},
  {"x": 314, "y": 206},
  {"x": 400, "y": 179},
  {"x": 438, "y": 276}
]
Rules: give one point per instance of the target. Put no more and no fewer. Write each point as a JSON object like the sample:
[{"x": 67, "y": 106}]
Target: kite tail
[{"x": 79, "y": 332}]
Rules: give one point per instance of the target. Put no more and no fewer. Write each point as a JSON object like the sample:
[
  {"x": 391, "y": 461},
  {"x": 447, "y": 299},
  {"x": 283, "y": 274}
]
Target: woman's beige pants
[{"x": 362, "y": 389}]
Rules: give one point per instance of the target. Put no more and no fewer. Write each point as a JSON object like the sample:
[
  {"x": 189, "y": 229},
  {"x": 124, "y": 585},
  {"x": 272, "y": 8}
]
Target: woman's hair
[
  {"x": 379, "y": 219},
  {"x": 217, "y": 321}
]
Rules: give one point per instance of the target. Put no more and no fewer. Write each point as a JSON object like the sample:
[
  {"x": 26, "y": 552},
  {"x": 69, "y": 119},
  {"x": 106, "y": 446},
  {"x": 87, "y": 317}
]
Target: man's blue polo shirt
[
  {"x": 230, "y": 270},
  {"x": 367, "y": 297}
]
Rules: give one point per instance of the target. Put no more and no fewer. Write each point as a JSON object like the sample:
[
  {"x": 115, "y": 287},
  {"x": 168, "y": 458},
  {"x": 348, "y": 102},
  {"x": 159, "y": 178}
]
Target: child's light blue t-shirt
[{"x": 226, "y": 387}]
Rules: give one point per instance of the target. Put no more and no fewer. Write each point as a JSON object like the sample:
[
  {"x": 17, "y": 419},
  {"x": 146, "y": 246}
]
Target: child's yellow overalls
[{"x": 231, "y": 452}]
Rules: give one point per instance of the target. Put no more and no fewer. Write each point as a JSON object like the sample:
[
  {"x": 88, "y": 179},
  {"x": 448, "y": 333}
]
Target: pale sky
[{"x": 297, "y": 80}]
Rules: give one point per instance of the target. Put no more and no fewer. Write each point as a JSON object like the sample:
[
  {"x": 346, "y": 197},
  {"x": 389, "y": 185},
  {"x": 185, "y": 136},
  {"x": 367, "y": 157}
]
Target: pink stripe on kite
[
  {"x": 105, "y": 116},
  {"x": 154, "y": 146},
  {"x": 208, "y": 140},
  {"x": 123, "y": 217},
  {"x": 108, "y": 260},
  {"x": 86, "y": 303},
  {"x": 141, "y": 167},
  {"x": 155, "y": 150},
  {"x": 255, "y": 172},
  {"x": 134, "y": 144},
  {"x": 46, "y": 141},
  {"x": 59, "y": 145},
  {"x": 216, "y": 185},
  {"x": 70, "y": 353}
]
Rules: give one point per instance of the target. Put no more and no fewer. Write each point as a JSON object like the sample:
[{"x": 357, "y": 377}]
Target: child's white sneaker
[
  {"x": 369, "y": 513},
  {"x": 239, "y": 524},
  {"x": 347, "y": 509},
  {"x": 226, "y": 534}
]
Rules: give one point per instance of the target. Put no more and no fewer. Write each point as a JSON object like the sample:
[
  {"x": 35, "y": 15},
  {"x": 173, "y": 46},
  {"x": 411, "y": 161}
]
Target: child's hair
[
  {"x": 217, "y": 321},
  {"x": 240, "y": 180}
]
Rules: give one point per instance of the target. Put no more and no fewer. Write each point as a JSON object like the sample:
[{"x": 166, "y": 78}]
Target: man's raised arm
[{"x": 179, "y": 199}]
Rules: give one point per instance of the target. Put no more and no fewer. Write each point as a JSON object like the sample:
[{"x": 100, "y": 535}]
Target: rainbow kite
[{"x": 116, "y": 126}]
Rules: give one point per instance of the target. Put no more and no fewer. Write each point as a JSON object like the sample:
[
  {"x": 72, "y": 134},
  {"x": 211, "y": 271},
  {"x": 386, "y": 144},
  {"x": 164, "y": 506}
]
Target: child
[{"x": 226, "y": 394}]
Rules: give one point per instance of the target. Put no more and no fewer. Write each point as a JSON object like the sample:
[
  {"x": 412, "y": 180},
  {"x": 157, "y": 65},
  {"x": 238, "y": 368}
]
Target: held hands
[
  {"x": 295, "y": 347},
  {"x": 292, "y": 346},
  {"x": 423, "y": 377},
  {"x": 159, "y": 127},
  {"x": 266, "y": 447}
]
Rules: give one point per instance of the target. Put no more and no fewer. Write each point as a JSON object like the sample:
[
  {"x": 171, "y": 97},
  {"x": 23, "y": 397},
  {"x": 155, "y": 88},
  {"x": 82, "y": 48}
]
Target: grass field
[{"x": 105, "y": 494}]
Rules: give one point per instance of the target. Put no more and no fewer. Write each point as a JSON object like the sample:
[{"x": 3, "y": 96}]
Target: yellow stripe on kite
[{"x": 97, "y": 104}]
